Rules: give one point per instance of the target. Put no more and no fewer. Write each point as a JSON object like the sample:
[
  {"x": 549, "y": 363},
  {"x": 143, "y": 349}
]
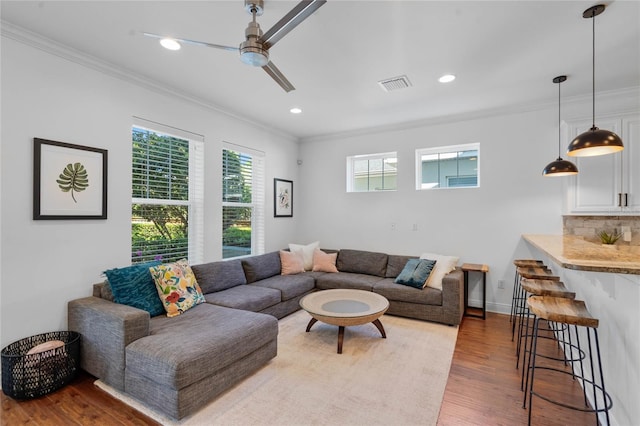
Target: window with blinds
[
  {"x": 166, "y": 189},
  {"x": 242, "y": 202},
  {"x": 448, "y": 167}
]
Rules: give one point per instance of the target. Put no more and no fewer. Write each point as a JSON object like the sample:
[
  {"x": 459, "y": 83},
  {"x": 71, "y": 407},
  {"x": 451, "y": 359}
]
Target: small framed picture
[
  {"x": 283, "y": 198},
  {"x": 69, "y": 181}
]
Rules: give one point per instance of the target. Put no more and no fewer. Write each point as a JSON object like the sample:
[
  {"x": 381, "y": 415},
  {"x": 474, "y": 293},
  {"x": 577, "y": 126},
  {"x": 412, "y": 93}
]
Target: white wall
[
  {"x": 481, "y": 225},
  {"x": 47, "y": 263}
]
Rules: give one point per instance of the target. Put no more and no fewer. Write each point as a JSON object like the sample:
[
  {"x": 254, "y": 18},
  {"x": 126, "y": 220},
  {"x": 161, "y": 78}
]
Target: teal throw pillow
[
  {"x": 134, "y": 286},
  {"x": 415, "y": 272}
]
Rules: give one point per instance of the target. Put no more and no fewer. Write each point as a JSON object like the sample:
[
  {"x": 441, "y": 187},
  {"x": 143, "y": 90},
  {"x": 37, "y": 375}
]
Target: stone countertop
[{"x": 573, "y": 252}]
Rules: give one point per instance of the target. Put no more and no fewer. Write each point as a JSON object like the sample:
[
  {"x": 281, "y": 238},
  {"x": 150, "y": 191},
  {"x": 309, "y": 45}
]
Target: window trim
[{"x": 443, "y": 150}]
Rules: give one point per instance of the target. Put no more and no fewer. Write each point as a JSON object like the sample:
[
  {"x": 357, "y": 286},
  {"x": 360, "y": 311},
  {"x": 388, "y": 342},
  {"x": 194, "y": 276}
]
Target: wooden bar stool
[
  {"x": 574, "y": 314},
  {"x": 537, "y": 287},
  {"x": 516, "y": 284},
  {"x": 532, "y": 272}
]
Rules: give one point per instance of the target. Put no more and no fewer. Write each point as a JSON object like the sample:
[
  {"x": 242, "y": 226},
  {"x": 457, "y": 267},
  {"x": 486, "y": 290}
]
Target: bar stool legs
[
  {"x": 517, "y": 295},
  {"x": 549, "y": 286},
  {"x": 574, "y": 314}
]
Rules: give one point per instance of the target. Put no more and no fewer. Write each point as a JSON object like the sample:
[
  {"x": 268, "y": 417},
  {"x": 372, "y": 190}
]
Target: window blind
[
  {"x": 242, "y": 201},
  {"x": 167, "y": 189}
]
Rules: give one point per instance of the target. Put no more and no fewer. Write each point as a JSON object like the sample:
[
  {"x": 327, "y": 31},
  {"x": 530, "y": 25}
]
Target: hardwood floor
[
  {"x": 484, "y": 386},
  {"x": 483, "y": 389}
]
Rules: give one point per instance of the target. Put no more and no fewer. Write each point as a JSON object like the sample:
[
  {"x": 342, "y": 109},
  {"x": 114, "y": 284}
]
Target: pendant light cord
[
  {"x": 593, "y": 67},
  {"x": 559, "y": 133}
]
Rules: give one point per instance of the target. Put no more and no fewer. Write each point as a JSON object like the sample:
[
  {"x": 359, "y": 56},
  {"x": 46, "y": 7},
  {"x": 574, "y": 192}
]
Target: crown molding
[
  {"x": 37, "y": 41},
  {"x": 626, "y": 96}
]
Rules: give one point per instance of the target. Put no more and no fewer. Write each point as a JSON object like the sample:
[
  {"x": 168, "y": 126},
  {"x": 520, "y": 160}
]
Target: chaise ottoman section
[{"x": 219, "y": 347}]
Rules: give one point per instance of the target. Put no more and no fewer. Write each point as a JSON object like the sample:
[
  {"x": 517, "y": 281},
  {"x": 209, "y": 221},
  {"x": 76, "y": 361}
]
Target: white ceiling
[{"x": 504, "y": 54}]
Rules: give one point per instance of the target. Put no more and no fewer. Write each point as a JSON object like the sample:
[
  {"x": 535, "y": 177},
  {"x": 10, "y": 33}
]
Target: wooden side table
[{"x": 474, "y": 267}]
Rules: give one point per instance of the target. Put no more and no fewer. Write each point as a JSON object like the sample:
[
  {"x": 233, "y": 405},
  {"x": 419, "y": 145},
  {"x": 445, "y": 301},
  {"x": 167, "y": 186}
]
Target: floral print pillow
[{"x": 177, "y": 287}]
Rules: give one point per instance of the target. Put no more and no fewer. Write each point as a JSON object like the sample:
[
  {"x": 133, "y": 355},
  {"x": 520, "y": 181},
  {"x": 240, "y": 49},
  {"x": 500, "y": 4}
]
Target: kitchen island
[
  {"x": 573, "y": 252},
  {"x": 608, "y": 280}
]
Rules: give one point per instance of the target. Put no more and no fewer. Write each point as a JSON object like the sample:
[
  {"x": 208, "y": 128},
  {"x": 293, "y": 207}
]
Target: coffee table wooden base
[{"x": 375, "y": 322}]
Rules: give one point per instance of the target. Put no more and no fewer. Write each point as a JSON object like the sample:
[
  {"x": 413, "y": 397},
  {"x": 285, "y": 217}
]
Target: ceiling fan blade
[
  {"x": 194, "y": 42},
  {"x": 291, "y": 20},
  {"x": 275, "y": 74}
]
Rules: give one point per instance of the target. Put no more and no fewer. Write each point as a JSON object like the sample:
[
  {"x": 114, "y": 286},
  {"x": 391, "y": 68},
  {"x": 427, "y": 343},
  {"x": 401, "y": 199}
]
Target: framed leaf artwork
[
  {"x": 69, "y": 181},
  {"x": 283, "y": 198}
]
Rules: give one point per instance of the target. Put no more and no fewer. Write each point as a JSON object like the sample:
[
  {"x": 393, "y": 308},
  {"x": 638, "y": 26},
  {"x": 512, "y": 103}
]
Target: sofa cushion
[
  {"x": 209, "y": 338},
  {"x": 403, "y": 293},
  {"x": 177, "y": 287},
  {"x": 289, "y": 286},
  {"x": 291, "y": 263},
  {"x": 415, "y": 273},
  {"x": 134, "y": 286},
  {"x": 221, "y": 275},
  {"x": 246, "y": 297},
  {"x": 346, "y": 280},
  {"x": 261, "y": 266},
  {"x": 396, "y": 263},
  {"x": 324, "y": 262},
  {"x": 362, "y": 262}
]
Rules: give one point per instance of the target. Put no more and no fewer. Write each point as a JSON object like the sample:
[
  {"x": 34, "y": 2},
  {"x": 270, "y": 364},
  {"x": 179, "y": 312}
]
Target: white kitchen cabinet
[{"x": 606, "y": 184}]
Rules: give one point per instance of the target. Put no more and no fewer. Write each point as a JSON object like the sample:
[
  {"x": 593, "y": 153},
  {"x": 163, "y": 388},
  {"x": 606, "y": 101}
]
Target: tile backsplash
[{"x": 590, "y": 226}]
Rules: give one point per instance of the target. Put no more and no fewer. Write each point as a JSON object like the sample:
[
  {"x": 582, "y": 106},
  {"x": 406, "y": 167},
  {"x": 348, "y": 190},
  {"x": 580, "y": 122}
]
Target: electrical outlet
[
  {"x": 415, "y": 226},
  {"x": 393, "y": 226},
  {"x": 500, "y": 283}
]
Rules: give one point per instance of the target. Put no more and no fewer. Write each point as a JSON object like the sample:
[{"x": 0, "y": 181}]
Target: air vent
[{"x": 395, "y": 83}]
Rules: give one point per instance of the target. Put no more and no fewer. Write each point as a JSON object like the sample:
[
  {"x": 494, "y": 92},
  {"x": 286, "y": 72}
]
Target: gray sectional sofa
[{"x": 177, "y": 365}]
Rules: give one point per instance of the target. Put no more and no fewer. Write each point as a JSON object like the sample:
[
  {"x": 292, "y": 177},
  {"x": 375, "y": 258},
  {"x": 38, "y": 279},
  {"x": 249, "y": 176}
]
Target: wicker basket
[{"x": 27, "y": 376}]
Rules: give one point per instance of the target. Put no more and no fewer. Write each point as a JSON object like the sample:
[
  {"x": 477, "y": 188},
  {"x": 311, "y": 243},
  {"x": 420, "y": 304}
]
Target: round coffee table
[{"x": 344, "y": 307}]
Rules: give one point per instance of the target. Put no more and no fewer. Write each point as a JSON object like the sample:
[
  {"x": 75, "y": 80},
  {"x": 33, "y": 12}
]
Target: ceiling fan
[{"x": 255, "y": 49}]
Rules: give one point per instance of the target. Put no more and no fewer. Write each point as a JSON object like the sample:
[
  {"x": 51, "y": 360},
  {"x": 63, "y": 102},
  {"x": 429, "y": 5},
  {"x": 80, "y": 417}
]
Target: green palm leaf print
[{"x": 74, "y": 177}]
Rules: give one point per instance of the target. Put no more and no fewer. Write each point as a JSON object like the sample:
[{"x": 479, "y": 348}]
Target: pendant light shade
[
  {"x": 594, "y": 141},
  {"x": 559, "y": 167}
]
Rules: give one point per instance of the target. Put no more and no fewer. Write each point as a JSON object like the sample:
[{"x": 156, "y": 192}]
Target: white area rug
[{"x": 399, "y": 380}]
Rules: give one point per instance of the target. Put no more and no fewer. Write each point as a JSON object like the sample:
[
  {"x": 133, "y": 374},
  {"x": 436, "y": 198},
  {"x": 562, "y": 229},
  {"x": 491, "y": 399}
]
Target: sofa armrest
[
  {"x": 453, "y": 295},
  {"x": 106, "y": 329}
]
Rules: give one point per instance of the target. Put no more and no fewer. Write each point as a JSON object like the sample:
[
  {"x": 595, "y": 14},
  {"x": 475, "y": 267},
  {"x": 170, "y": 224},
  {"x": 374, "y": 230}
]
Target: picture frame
[
  {"x": 282, "y": 198},
  {"x": 69, "y": 181}
]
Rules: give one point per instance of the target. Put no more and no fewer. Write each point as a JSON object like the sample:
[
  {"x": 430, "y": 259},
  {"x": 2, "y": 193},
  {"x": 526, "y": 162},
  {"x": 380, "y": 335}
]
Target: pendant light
[
  {"x": 560, "y": 167},
  {"x": 594, "y": 141}
]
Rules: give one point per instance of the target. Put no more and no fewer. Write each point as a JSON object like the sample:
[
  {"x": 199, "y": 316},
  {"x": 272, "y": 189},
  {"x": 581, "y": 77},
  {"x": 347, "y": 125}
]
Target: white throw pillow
[
  {"x": 307, "y": 253},
  {"x": 444, "y": 265}
]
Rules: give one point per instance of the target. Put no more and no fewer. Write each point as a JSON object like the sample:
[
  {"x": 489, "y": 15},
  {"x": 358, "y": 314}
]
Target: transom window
[
  {"x": 372, "y": 172},
  {"x": 448, "y": 167}
]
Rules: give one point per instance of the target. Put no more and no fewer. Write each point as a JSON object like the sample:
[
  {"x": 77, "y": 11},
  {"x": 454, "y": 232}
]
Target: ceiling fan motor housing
[{"x": 252, "y": 51}]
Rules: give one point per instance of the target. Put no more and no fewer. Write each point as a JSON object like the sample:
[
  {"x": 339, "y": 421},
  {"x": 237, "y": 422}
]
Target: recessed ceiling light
[
  {"x": 447, "y": 78},
  {"x": 169, "y": 43},
  {"x": 295, "y": 110}
]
